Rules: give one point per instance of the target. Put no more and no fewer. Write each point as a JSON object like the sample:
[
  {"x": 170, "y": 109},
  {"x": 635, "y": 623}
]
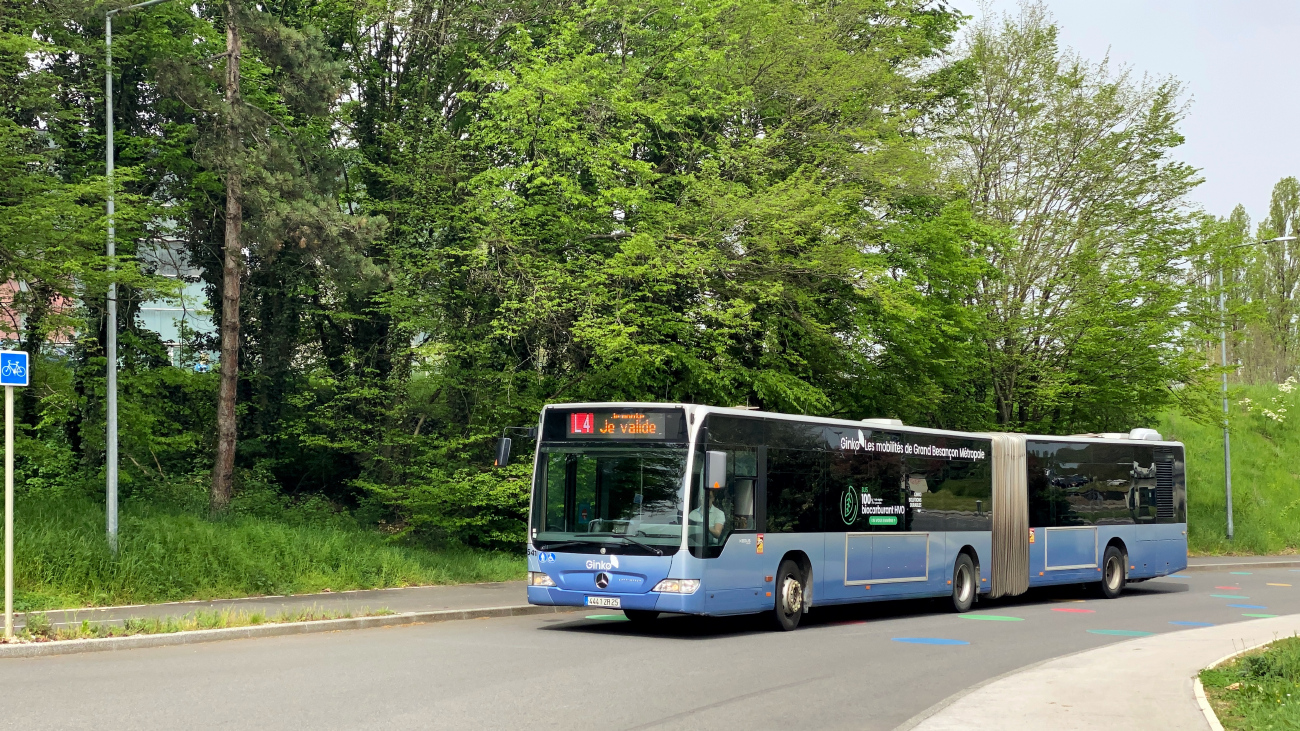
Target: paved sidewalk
[
  {"x": 1228, "y": 563},
  {"x": 1139, "y": 684},
  {"x": 409, "y": 599}
]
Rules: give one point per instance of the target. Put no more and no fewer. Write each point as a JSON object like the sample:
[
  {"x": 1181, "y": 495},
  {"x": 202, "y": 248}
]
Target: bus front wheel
[
  {"x": 789, "y": 595},
  {"x": 1112, "y": 573},
  {"x": 963, "y": 584}
]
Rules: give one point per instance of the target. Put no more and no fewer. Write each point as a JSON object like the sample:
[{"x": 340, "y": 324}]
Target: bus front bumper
[{"x": 651, "y": 601}]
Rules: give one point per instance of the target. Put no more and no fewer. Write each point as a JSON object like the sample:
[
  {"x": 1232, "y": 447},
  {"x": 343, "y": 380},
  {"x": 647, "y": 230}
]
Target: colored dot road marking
[
  {"x": 1229, "y": 596},
  {"x": 1260, "y": 616},
  {"x": 991, "y": 617},
  {"x": 1279, "y": 584},
  {"x": 1121, "y": 632},
  {"x": 1193, "y": 624},
  {"x": 1073, "y": 610},
  {"x": 1240, "y": 573},
  {"x": 930, "y": 641},
  {"x": 608, "y": 617},
  {"x": 1176, "y": 576},
  {"x": 1229, "y": 588},
  {"x": 1247, "y": 606}
]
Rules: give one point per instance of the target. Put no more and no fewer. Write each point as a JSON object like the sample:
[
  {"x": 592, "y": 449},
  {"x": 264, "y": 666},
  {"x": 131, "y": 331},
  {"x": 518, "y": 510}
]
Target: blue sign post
[{"x": 15, "y": 371}]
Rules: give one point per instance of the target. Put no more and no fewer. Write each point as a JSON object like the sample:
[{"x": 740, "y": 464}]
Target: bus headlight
[
  {"x": 677, "y": 586},
  {"x": 539, "y": 578}
]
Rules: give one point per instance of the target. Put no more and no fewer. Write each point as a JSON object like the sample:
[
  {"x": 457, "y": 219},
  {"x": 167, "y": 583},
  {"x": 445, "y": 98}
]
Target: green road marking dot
[
  {"x": 1120, "y": 632},
  {"x": 608, "y": 617},
  {"x": 1260, "y": 616},
  {"x": 991, "y": 617},
  {"x": 1240, "y": 573}
]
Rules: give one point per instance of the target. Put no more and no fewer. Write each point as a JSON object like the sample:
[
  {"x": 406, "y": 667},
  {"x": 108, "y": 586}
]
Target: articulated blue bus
[{"x": 677, "y": 508}]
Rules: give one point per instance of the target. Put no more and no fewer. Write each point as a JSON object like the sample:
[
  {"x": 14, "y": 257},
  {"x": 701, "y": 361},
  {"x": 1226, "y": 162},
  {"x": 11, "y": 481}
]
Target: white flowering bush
[{"x": 1276, "y": 410}]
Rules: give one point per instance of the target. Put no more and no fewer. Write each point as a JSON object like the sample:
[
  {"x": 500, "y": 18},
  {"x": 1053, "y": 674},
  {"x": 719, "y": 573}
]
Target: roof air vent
[
  {"x": 1145, "y": 435},
  {"x": 884, "y": 422}
]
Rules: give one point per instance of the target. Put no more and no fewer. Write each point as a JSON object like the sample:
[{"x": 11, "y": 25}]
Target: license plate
[{"x": 611, "y": 602}]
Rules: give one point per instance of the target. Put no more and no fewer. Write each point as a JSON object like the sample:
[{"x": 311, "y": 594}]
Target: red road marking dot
[{"x": 1072, "y": 610}]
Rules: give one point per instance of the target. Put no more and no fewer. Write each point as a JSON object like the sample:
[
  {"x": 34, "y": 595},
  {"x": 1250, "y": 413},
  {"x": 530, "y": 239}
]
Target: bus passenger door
[{"x": 733, "y": 574}]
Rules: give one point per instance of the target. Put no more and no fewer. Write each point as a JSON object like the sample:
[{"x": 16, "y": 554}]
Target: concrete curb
[
  {"x": 1207, "y": 710},
  {"x": 1202, "y": 700},
  {"x": 1237, "y": 565},
  {"x": 69, "y": 647}
]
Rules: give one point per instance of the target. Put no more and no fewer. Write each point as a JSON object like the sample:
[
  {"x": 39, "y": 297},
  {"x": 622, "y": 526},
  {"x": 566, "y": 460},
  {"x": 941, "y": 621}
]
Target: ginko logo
[{"x": 612, "y": 563}]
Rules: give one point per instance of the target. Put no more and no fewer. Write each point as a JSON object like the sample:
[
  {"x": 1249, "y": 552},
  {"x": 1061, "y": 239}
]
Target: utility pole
[
  {"x": 1223, "y": 354},
  {"x": 110, "y": 457}
]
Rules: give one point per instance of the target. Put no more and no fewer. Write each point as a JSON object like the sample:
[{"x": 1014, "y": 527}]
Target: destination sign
[{"x": 616, "y": 425}]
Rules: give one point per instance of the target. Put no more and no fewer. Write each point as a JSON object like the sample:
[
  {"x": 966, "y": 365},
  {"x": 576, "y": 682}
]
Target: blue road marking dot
[
  {"x": 930, "y": 641},
  {"x": 1248, "y": 606},
  {"x": 1193, "y": 624},
  {"x": 1120, "y": 632},
  {"x": 1176, "y": 576}
]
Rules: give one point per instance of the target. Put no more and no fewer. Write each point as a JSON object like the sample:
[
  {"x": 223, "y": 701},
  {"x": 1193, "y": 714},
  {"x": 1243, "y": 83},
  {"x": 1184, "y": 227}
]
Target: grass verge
[
  {"x": 62, "y": 561},
  {"x": 1265, "y": 473},
  {"x": 1259, "y": 690},
  {"x": 39, "y": 628}
]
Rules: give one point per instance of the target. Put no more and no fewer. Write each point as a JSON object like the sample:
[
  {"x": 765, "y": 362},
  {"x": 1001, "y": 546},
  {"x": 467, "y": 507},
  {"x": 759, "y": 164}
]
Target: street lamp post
[
  {"x": 1223, "y": 354},
  {"x": 111, "y": 448}
]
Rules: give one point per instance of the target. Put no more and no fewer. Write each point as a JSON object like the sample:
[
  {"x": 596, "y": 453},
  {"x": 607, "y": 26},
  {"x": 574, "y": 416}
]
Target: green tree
[
  {"x": 1274, "y": 349},
  {"x": 686, "y": 204},
  {"x": 1076, "y": 160}
]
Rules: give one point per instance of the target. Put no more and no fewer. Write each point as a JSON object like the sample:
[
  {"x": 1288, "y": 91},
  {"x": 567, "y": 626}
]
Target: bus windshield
[{"x": 622, "y": 497}]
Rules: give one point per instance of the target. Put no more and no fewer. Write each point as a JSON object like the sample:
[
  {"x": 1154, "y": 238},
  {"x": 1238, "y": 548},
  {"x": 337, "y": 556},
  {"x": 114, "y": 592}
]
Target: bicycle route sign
[{"x": 14, "y": 369}]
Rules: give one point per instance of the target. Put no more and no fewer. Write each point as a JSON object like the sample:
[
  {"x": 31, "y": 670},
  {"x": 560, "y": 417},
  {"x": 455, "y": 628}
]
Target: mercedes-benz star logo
[{"x": 602, "y": 580}]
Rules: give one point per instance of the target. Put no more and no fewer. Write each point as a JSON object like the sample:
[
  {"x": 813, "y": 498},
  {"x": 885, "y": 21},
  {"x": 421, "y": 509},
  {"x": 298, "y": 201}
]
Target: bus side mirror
[
  {"x": 503, "y": 451},
  {"x": 715, "y": 470}
]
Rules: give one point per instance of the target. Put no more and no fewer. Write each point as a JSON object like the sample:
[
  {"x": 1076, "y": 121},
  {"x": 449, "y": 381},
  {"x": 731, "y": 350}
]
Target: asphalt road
[{"x": 843, "y": 669}]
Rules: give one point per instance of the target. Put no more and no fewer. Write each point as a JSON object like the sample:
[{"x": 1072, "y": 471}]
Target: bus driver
[{"x": 716, "y": 516}]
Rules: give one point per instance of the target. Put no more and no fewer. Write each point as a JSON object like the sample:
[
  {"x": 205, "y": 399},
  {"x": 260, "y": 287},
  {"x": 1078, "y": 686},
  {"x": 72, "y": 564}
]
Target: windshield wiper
[
  {"x": 549, "y": 546},
  {"x": 635, "y": 542},
  {"x": 587, "y": 541}
]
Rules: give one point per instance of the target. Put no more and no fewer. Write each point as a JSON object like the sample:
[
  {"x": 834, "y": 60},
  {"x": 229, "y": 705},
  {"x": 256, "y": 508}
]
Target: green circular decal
[{"x": 849, "y": 505}]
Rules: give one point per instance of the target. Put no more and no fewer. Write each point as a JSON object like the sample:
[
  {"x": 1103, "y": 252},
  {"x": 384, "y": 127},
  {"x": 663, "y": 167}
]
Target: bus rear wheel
[
  {"x": 963, "y": 584},
  {"x": 1112, "y": 573},
  {"x": 641, "y": 616},
  {"x": 789, "y": 595}
]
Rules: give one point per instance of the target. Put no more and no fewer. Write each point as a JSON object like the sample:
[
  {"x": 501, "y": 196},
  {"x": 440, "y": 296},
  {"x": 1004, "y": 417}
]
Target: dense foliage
[{"x": 458, "y": 211}]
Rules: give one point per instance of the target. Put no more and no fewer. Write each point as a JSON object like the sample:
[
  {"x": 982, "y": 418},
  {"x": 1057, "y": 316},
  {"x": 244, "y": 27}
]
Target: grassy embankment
[
  {"x": 1259, "y": 690},
  {"x": 1265, "y": 474},
  {"x": 168, "y": 553}
]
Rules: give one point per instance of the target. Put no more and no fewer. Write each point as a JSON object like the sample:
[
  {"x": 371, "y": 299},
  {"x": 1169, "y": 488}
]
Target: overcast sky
[{"x": 1240, "y": 61}]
